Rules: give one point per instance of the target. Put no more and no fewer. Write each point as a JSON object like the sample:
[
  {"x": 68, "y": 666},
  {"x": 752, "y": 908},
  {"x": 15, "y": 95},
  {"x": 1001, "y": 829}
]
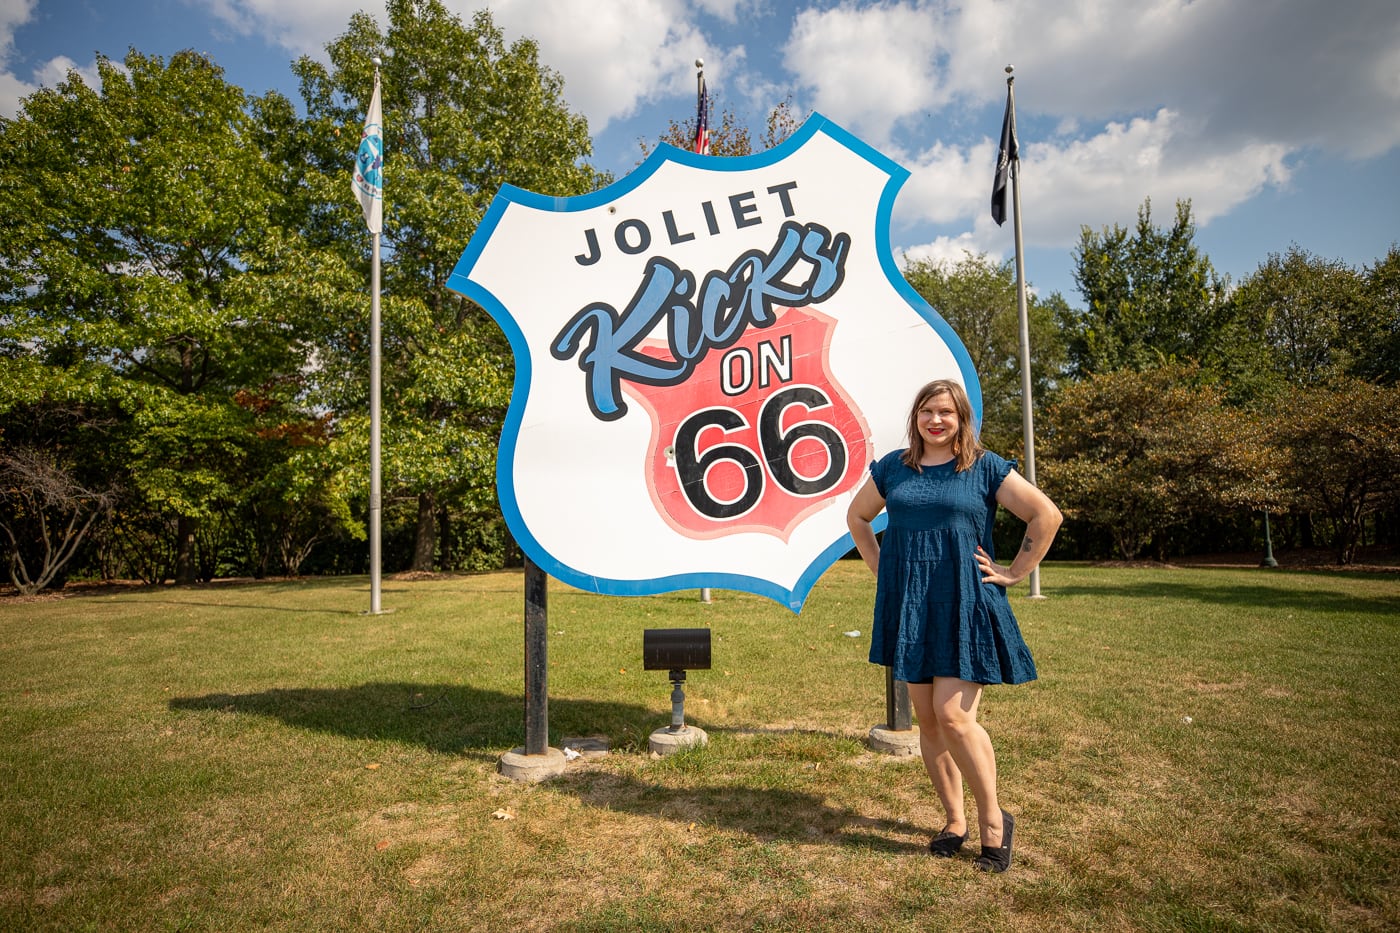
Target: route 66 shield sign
[{"x": 708, "y": 355}]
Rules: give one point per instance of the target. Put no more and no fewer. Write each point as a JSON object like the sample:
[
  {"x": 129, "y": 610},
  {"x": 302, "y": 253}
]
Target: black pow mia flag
[{"x": 1005, "y": 157}]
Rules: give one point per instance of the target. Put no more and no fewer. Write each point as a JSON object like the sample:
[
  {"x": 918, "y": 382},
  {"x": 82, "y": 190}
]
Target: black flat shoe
[
  {"x": 946, "y": 844},
  {"x": 997, "y": 860}
]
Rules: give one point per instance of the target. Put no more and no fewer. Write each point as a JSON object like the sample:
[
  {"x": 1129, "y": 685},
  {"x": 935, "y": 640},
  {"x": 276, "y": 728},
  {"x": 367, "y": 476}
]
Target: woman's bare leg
[
  {"x": 942, "y": 769},
  {"x": 954, "y": 703}
]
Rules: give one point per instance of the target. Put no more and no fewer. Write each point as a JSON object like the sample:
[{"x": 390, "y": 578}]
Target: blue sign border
[{"x": 460, "y": 282}]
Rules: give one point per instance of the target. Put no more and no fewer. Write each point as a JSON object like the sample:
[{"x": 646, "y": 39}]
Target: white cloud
[
  {"x": 1306, "y": 73},
  {"x": 949, "y": 251},
  {"x": 614, "y": 56},
  {"x": 946, "y": 183},
  {"x": 1096, "y": 181},
  {"x": 13, "y": 14},
  {"x": 302, "y": 28},
  {"x": 55, "y": 71},
  {"x": 1206, "y": 100},
  {"x": 13, "y": 89},
  {"x": 867, "y": 67},
  {"x": 1211, "y": 100},
  {"x": 727, "y": 10}
]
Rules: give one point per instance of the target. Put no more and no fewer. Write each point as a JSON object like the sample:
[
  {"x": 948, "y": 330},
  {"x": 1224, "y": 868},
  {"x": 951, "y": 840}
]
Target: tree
[
  {"x": 464, "y": 113},
  {"x": 1341, "y": 447},
  {"x": 731, "y": 136},
  {"x": 46, "y": 514},
  {"x": 1151, "y": 297},
  {"x": 1309, "y": 312},
  {"x": 1378, "y": 358},
  {"x": 1137, "y": 454},
  {"x": 57, "y": 480},
  {"x": 141, "y": 255},
  {"x": 977, "y": 297}
]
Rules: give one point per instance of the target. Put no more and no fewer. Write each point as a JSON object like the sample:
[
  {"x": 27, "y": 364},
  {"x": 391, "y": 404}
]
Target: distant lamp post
[{"x": 1268, "y": 560}]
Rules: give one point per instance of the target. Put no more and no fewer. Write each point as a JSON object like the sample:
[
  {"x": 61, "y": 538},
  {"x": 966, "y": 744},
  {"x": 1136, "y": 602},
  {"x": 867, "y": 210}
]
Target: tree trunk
[
  {"x": 424, "y": 539},
  {"x": 185, "y": 525},
  {"x": 444, "y": 539},
  {"x": 184, "y": 549}
]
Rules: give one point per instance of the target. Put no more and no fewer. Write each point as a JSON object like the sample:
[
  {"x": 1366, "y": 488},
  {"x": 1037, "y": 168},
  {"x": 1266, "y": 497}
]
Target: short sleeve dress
[{"x": 934, "y": 617}]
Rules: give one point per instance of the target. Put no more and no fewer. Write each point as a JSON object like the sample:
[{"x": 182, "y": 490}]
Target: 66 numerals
[{"x": 775, "y": 452}]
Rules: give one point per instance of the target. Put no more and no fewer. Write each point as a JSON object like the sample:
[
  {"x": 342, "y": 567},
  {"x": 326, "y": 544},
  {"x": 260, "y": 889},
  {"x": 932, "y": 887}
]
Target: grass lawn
[{"x": 1205, "y": 750}]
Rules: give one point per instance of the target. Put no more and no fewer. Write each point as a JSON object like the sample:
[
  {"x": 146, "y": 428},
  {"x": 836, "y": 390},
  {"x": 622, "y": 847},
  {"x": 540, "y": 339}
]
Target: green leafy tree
[
  {"x": 1310, "y": 313},
  {"x": 1379, "y": 356},
  {"x": 1138, "y": 454},
  {"x": 142, "y": 255},
  {"x": 1341, "y": 455},
  {"x": 464, "y": 113},
  {"x": 977, "y": 297},
  {"x": 1151, "y": 297}
]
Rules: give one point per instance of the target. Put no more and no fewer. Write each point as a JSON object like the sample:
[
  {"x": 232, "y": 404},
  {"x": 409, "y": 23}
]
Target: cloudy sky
[{"x": 1278, "y": 119}]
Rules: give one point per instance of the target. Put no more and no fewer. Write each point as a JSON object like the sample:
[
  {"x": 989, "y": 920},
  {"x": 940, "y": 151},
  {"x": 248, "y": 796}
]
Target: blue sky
[{"x": 1278, "y": 119}]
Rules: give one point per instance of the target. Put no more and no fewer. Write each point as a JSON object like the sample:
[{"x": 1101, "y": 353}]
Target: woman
[{"x": 942, "y": 621}]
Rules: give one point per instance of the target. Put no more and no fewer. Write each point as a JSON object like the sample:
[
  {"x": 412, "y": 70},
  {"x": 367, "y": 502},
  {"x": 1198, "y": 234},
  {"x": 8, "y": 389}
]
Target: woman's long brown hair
[{"x": 966, "y": 447}]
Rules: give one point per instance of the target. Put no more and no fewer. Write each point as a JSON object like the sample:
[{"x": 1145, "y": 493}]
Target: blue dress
[{"x": 934, "y": 617}]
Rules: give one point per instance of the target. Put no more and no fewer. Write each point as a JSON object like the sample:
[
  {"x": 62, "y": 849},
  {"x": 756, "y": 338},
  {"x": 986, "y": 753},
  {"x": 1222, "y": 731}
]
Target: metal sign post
[
  {"x": 896, "y": 735},
  {"x": 897, "y": 716},
  {"x": 536, "y": 659},
  {"x": 535, "y": 761}
]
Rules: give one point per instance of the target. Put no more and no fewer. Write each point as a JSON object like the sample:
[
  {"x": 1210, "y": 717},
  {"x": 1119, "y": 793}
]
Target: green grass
[{"x": 264, "y": 756}]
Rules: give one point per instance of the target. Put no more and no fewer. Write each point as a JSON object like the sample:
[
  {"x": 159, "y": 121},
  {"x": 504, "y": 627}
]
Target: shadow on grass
[
  {"x": 769, "y": 814},
  {"x": 447, "y": 718},
  {"x": 1252, "y": 595},
  {"x": 252, "y": 607},
  {"x": 458, "y": 719}
]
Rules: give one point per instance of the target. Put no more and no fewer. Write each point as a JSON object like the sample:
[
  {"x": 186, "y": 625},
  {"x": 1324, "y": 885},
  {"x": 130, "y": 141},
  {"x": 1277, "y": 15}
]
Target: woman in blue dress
[{"x": 942, "y": 620}]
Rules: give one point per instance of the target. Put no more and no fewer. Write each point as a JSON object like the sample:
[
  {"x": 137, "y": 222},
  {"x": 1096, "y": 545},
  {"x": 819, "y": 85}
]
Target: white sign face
[{"x": 709, "y": 353}]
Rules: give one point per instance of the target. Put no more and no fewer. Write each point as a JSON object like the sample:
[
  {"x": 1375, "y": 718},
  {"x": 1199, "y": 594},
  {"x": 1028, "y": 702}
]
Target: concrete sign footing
[
  {"x": 531, "y": 769},
  {"x": 664, "y": 741},
  {"x": 894, "y": 742}
]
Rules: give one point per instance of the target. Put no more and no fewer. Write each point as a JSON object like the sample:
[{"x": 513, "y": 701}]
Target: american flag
[{"x": 702, "y": 119}]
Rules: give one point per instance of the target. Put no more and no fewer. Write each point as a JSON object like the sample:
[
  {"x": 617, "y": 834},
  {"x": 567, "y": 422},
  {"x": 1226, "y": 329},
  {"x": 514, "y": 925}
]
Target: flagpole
[
  {"x": 701, "y": 142},
  {"x": 699, "y": 92},
  {"x": 375, "y": 502},
  {"x": 1027, "y": 419},
  {"x": 375, "y": 498},
  {"x": 699, "y": 95}
]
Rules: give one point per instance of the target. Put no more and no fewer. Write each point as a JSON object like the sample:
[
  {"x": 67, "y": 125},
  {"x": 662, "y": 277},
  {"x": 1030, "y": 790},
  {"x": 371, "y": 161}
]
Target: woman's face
[{"x": 938, "y": 424}]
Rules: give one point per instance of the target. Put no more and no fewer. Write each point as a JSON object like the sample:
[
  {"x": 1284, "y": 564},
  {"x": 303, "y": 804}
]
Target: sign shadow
[{"x": 441, "y": 717}]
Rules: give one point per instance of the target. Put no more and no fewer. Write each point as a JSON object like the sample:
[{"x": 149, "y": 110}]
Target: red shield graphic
[{"x": 760, "y": 436}]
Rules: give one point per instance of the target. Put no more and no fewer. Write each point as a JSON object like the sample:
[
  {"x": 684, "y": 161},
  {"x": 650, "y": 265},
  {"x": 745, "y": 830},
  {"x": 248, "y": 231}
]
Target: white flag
[{"x": 368, "y": 181}]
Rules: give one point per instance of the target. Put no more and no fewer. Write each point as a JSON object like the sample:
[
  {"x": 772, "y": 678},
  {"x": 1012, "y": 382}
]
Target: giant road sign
[{"x": 708, "y": 354}]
